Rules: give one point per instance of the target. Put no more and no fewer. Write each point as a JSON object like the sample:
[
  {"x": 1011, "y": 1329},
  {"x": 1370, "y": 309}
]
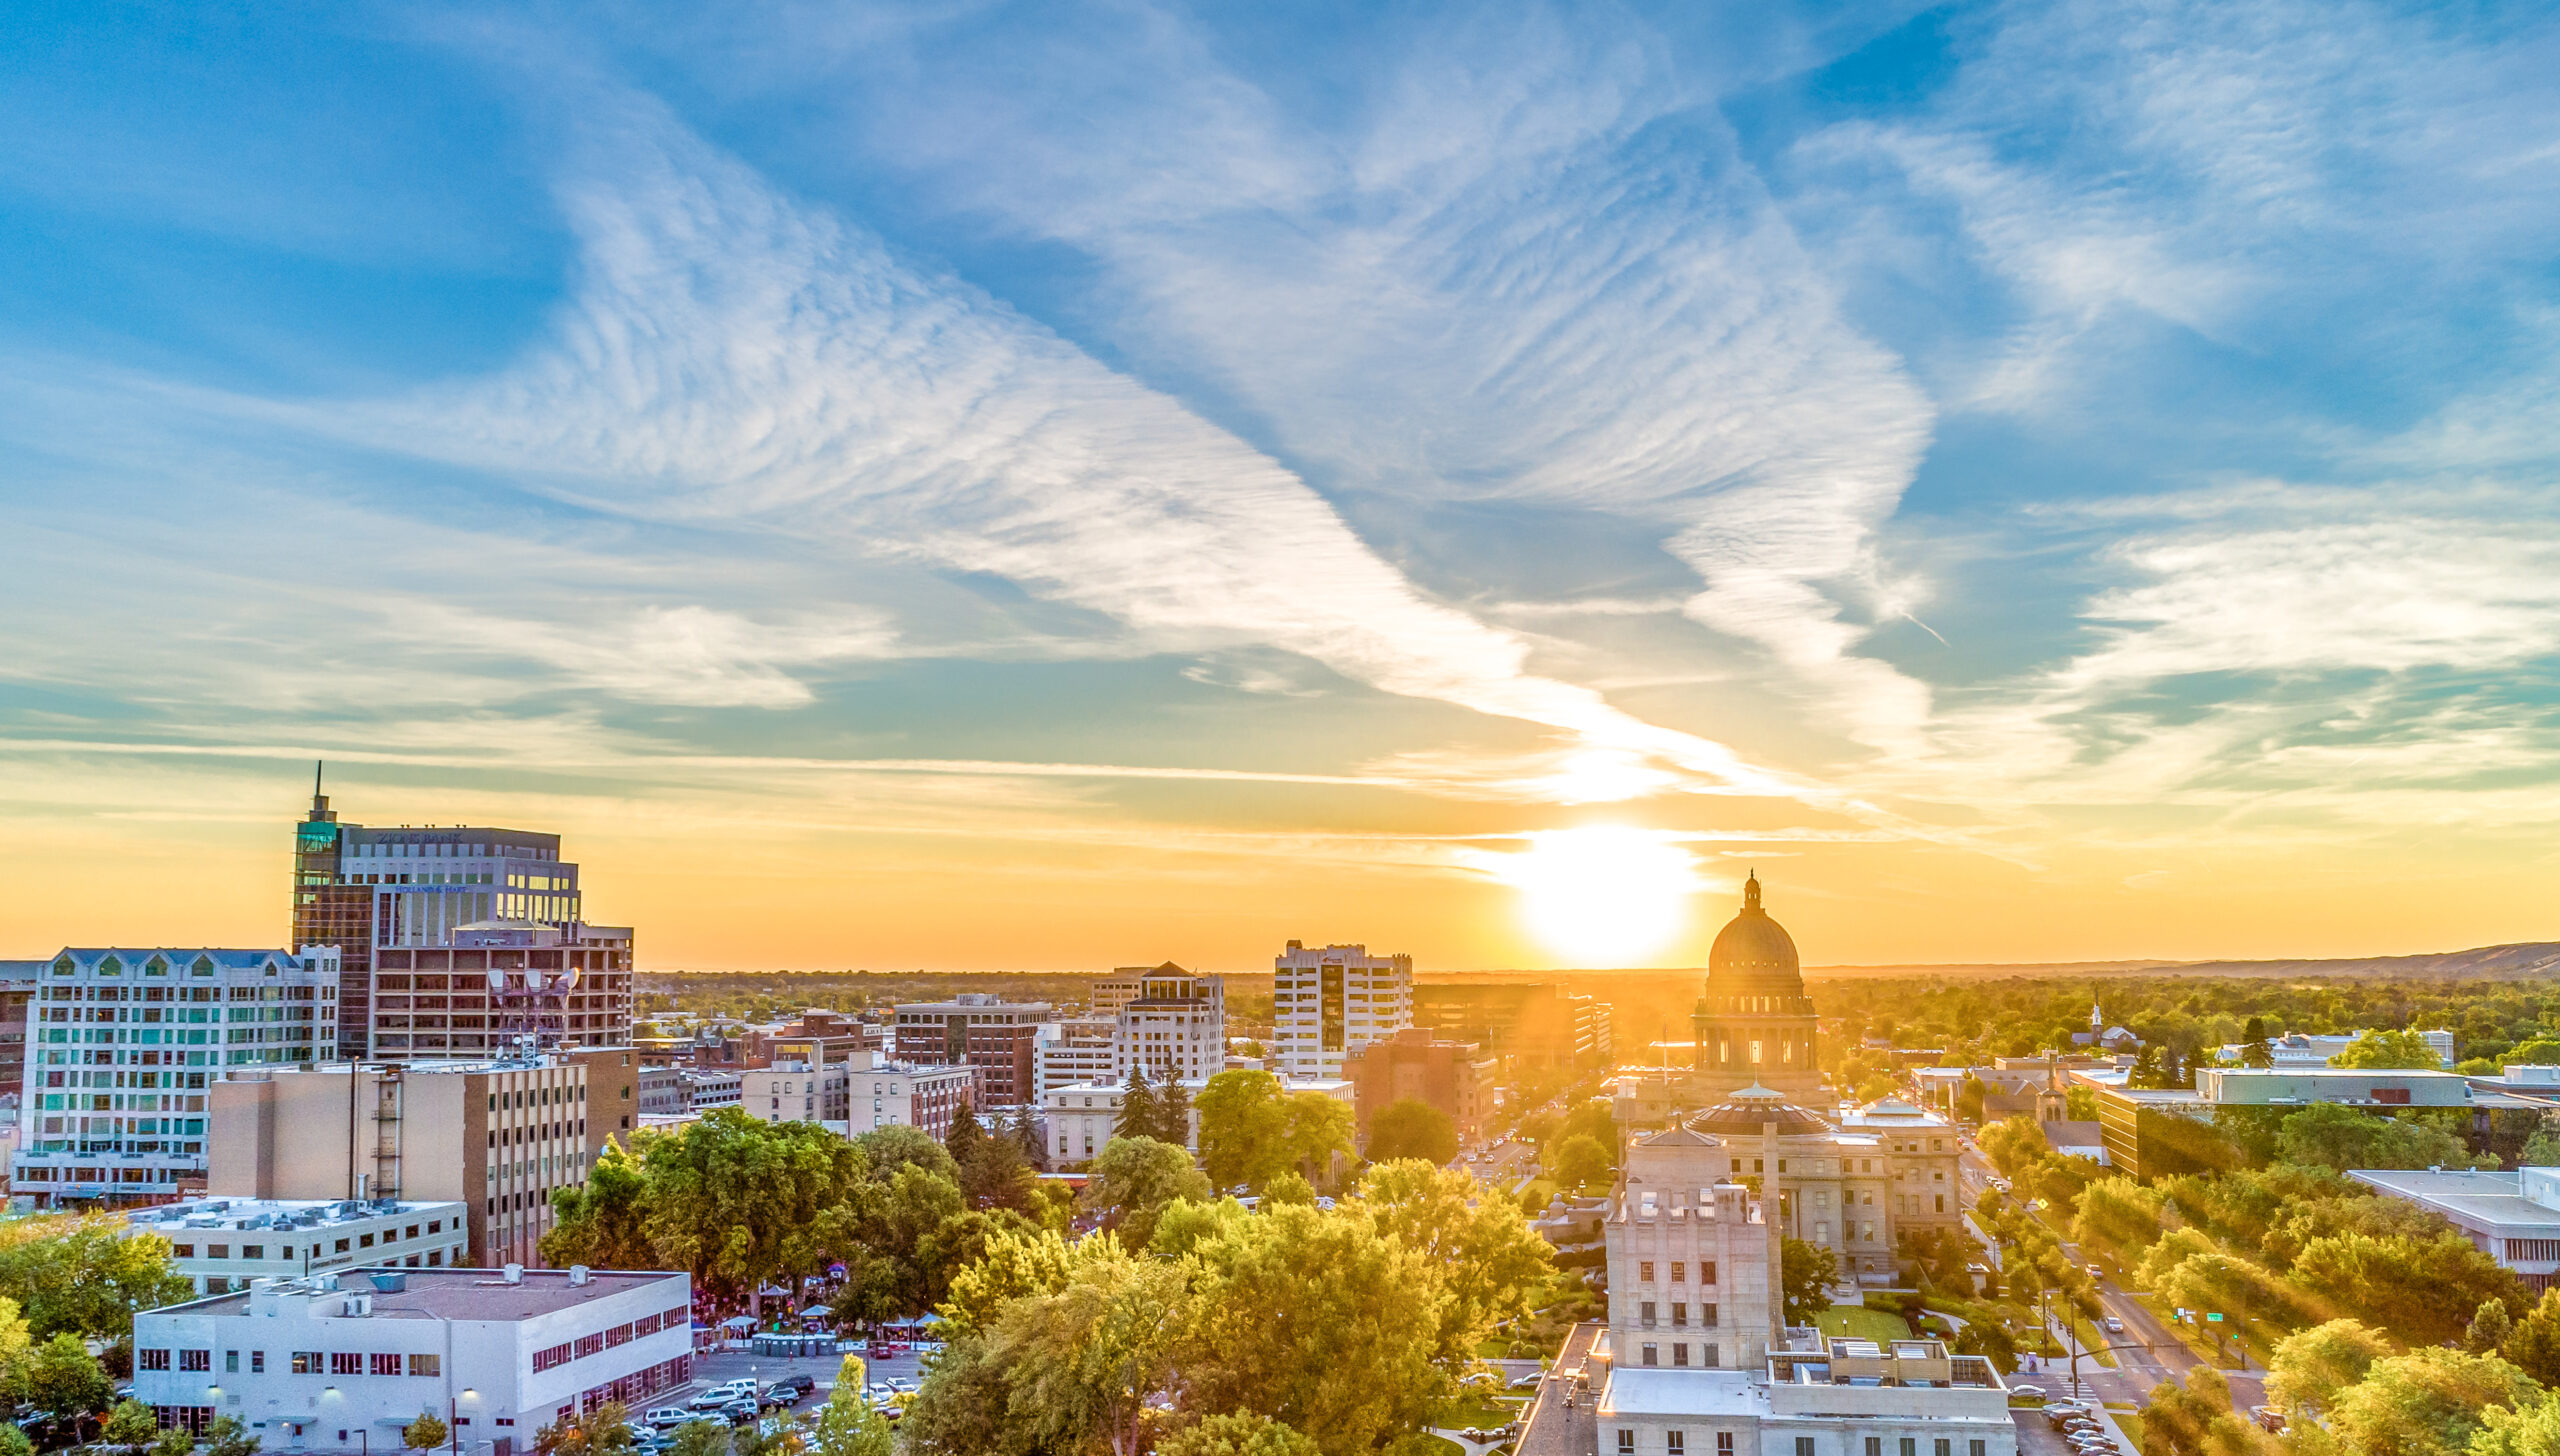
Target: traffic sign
[{"x": 2215, "y": 1316}]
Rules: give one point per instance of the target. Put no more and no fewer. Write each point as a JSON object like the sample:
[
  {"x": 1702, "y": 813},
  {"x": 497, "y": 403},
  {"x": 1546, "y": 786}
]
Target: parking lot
[{"x": 722, "y": 1366}]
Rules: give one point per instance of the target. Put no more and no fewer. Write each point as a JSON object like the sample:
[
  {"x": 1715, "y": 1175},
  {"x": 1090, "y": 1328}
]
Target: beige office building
[{"x": 496, "y": 1136}]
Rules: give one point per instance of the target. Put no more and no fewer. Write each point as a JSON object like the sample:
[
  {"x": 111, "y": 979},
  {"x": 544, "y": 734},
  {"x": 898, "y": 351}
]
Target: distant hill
[{"x": 2484, "y": 962}]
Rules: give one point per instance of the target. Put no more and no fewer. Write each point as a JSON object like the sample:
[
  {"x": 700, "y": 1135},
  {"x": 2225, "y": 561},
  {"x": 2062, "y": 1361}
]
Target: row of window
[
  {"x": 680, "y": 1318},
  {"x": 1676, "y": 1443},
  {"x": 1679, "y": 1314},
  {"x": 285, "y": 1251},
  {"x": 302, "y": 1362}
]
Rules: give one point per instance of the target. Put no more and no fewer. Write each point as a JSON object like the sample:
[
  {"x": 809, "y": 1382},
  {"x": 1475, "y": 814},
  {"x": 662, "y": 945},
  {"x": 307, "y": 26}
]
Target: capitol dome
[
  {"x": 1752, "y": 1109},
  {"x": 1753, "y": 954}
]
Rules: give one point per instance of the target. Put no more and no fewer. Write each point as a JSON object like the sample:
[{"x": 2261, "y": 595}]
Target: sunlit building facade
[{"x": 1326, "y": 1002}]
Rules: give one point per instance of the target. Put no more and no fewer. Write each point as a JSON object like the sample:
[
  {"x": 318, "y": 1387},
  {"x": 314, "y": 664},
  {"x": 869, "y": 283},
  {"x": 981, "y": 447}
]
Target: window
[
  {"x": 558, "y": 1355},
  {"x": 1644, "y": 1271},
  {"x": 1652, "y": 1355},
  {"x": 1804, "y": 1446},
  {"x": 1680, "y": 1352},
  {"x": 1626, "y": 1442},
  {"x": 343, "y": 1362},
  {"x": 230, "y": 1362},
  {"x": 1724, "y": 1443},
  {"x": 1943, "y": 1447},
  {"x": 253, "y": 1251},
  {"x": 150, "y": 1359},
  {"x": 306, "y": 1362},
  {"x": 1679, "y": 1272},
  {"x": 1910, "y": 1446},
  {"x": 196, "y": 1360},
  {"x": 1707, "y": 1315},
  {"x": 1973, "y": 1448},
  {"x": 1676, "y": 1442},
  {"x": 257, "y": 1362},
  {"x": 1645, "y": 1312},
  {"x": 1875, "y": 1446},
  {"x": 217, "y": 1251},
  {"x": 1679, "y": 1315},
  {"x": 1707, "y": 1272}
]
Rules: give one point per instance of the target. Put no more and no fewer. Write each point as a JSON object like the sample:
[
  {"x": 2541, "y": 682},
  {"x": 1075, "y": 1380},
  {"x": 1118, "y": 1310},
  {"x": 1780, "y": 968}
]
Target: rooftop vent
[
  {"x": 578, "y": 1274},
  {"x": 514, "y": 1273},
  {"x": 388, "y": 1283}
]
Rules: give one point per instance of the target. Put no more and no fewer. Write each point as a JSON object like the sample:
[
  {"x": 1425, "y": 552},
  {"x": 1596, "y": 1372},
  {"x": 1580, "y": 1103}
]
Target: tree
[
  {"x": 2080, "y": 1103},
  {"x": 1578, "y": 1161},
  {"x": 229, "y": 1436},
  {"x": 965, "y": 1135},
  {"x": 604, "y": 1431},
  {"x": 1082, "y": 1363},
  {"x": 1244, "y": 1129},
  {"x": 2542, "y": 1150},
  {"x": 2531, "y": 1429},
  {"x": 600, "y": 1223},
  {"x": 1320, "y": 1321},
  {"x": 1412, "y": 1128},
  {"x": 996, "y": 1175},
  {"x": 847, "y": 1425},
  {"x": 427, "y": 1433},
  {"x": 2380, "y": 1050},
  {"x": 902, "y": 1146},
  {"x": 1239, "y": 1434},
  {"x": 1969, "y": 1098},
  {"x": 2489, "y": 1328},
  {"x": 1808, "y": 1271},
  {"x": 1488, "y": 1260},
  {"x": 84, "y": 1277},
  {"x": 2329, "y": 1135},
  {"x": 2306, "y": 1371},
  {"x": 2534, "y": 1344},
  {"x": 1133, "y": 1178},
  {"x": 2255, "y": 1049},
  {"x": 133, "y": 1429},
  {"x": 1173, "y": 1114},
  {"x": 1321, "y": 1128},
  {"x": 1137, "y": 1107},
  {"x": 2120, "y": 1214},
  {"x": 2428, "y": 1402},
  {"x": 2422, "y": 1290},
  {"x": 65, "y": 1381},
  {"x": 699, "y": 1438}
]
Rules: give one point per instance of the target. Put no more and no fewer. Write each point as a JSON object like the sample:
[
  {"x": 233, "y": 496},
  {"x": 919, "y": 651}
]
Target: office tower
[
  {"x": 936, "y": 1033},
  {"x": 1078, "y": 1050},
  {"x": 1175, "y": 1027},
  {"x": 1526, "y": 1025},
  {"x": 17, "y": 988},
  {"x": 123, "y": 1044},
  {"x": 498, "y": 1136},
  {"x": 1116, "y": 990},
  {"x": 1325, "y": 1002},
  {"x": 459, "y": 941}
]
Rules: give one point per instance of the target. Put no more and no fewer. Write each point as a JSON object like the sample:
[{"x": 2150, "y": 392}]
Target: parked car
[
  {"x": 667, "y": 1417},
  {"x": 713, "y": 1399},
  {"x": 2031, "y": 1392},
  {"x": 744, "y": 1412},
  {"x": 799, "y": 1387},
  {"x": 901, "y": 1384},
  {"x": 1528, "y": 1381}
]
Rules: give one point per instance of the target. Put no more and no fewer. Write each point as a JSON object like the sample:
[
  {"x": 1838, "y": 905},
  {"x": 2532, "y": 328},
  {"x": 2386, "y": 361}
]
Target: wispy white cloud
[{"x": 733, "y": 356}]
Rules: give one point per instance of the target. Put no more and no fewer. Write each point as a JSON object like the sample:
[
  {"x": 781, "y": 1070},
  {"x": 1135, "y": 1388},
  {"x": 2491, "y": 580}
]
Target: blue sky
[{"x": 1201, "y": 476}]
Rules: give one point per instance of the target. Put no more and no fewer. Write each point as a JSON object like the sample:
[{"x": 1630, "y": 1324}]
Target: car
[
  {"x": 2112, "y": 1325},
  {"x": 1529, "y": 1381},
  {"x": 798, "y": 1387},
  {"x": 901, "y": 1384},
  {"x": 713, "y": 1399},
  {"x": 2031, "y": 1392},
  {"x": 2093, "y": 1271},
  {"x": 742, "y": 1412},
  {"x": 666, "y": 1417}
]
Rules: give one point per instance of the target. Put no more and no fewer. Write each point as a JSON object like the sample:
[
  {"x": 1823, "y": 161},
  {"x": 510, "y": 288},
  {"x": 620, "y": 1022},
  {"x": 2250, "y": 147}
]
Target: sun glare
[{"x": 1607, "y": 895}]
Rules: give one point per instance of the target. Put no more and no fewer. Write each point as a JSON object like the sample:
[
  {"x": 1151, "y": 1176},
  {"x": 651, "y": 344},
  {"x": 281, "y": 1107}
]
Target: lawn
[
  {"x": 1860, "y": 1323},
  {"x": 1477, "y": 1411}
]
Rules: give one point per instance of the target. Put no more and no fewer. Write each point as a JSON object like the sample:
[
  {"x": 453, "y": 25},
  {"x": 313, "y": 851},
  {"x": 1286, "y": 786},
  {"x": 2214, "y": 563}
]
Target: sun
[{"x": 1604, "y": 895}]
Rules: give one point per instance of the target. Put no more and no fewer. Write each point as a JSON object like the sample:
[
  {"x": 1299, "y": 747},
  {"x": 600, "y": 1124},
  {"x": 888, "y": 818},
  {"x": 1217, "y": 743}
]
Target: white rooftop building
[
  {"x": 229, "y": 1243},
  {"x": 1175, "y": 1027},
  {"x": 341, "y": 1362},
  {"x": 2514, "y": 1218}
]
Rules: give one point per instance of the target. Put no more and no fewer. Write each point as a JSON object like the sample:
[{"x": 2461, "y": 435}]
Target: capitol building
[{"x": 1853, "y": 1179}]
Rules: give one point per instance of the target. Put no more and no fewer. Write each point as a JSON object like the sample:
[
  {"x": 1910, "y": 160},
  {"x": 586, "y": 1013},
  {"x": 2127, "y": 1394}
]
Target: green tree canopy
[
  {"x": 1808, "y": 1271},
  {"x": 1411, "y": 1128},
  {"x": 2329, "y": 1135},
  {"x": 1137, "y": 1117},
  {"x": 2379, "y": 1050},
  {"x": 85, "y": 1276},
  {"x": 2429, "y": 1402},
  {"x": 2306, "y": 1371},
  {"x": 1577, "y": 1161},
  {"x": 63, "y": 1379},
  {"x": 1488, "y": 1260},
  {"x": 1238, "y": 1434},
  {"x": 1133, "y": 1178},
  {"x": 1244, "y": 1129},
  {"x": 427, "y": 1433},
  {"x": 847, "y": 1425}
]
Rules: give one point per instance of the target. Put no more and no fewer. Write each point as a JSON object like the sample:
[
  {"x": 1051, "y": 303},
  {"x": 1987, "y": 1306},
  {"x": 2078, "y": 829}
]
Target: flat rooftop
[
  {"x": 449, "y": 1294},
  {"x": 2484, "y": 1200},
  {"x": 277, "y": 1213},
  {"x": 1641, "y": 1390}
]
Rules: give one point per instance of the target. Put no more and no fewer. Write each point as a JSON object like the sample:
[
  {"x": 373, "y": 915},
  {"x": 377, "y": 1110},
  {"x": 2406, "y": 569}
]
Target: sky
[{"x": 986, "y": 486}]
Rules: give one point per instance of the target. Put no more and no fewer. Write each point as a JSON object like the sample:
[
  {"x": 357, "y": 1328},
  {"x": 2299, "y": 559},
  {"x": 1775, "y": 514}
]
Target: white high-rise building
[
  {"x": 121, "y": 1045},
  {"x": 1176, "y": 1027},
  {"x": 1326, "y": 1002}
]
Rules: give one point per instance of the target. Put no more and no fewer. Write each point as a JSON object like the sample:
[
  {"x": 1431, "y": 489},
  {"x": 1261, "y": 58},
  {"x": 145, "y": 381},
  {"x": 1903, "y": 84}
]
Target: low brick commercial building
[{"x": 1453, "y": 1076}]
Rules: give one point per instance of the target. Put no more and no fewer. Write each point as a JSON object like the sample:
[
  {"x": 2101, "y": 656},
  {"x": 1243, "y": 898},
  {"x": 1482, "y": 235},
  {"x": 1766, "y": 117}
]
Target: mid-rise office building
[
  {"x": 1325, "y": 1002},
  {"x": 1175, "y": 1027},
  {"x": 1069, "y": 1053},
  {"x": 1116, "y": 990},
  {"x": 1006, "y": 1063},
  {"x": 1080, "y": 1120},
  {"x": 123, "y": 1044},
  {"x": 1412, "y": 1065},
  {"x": 496, "y": 1136},
  {"x": 936, "y": 1033},
  {"x": 459, "y": 941},
  {"x": 1698, "y": 1359},
  {"x": 1524, "y": 1025},
  {"x": 224, "y": 1244},
  {"x": 819, "y": 1092},
  {"x": 338, "y": 1361}
]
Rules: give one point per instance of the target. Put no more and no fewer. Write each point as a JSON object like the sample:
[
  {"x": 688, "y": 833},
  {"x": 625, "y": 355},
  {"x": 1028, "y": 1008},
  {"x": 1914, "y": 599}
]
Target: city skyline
[{"x": 1042, "y": 489}]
